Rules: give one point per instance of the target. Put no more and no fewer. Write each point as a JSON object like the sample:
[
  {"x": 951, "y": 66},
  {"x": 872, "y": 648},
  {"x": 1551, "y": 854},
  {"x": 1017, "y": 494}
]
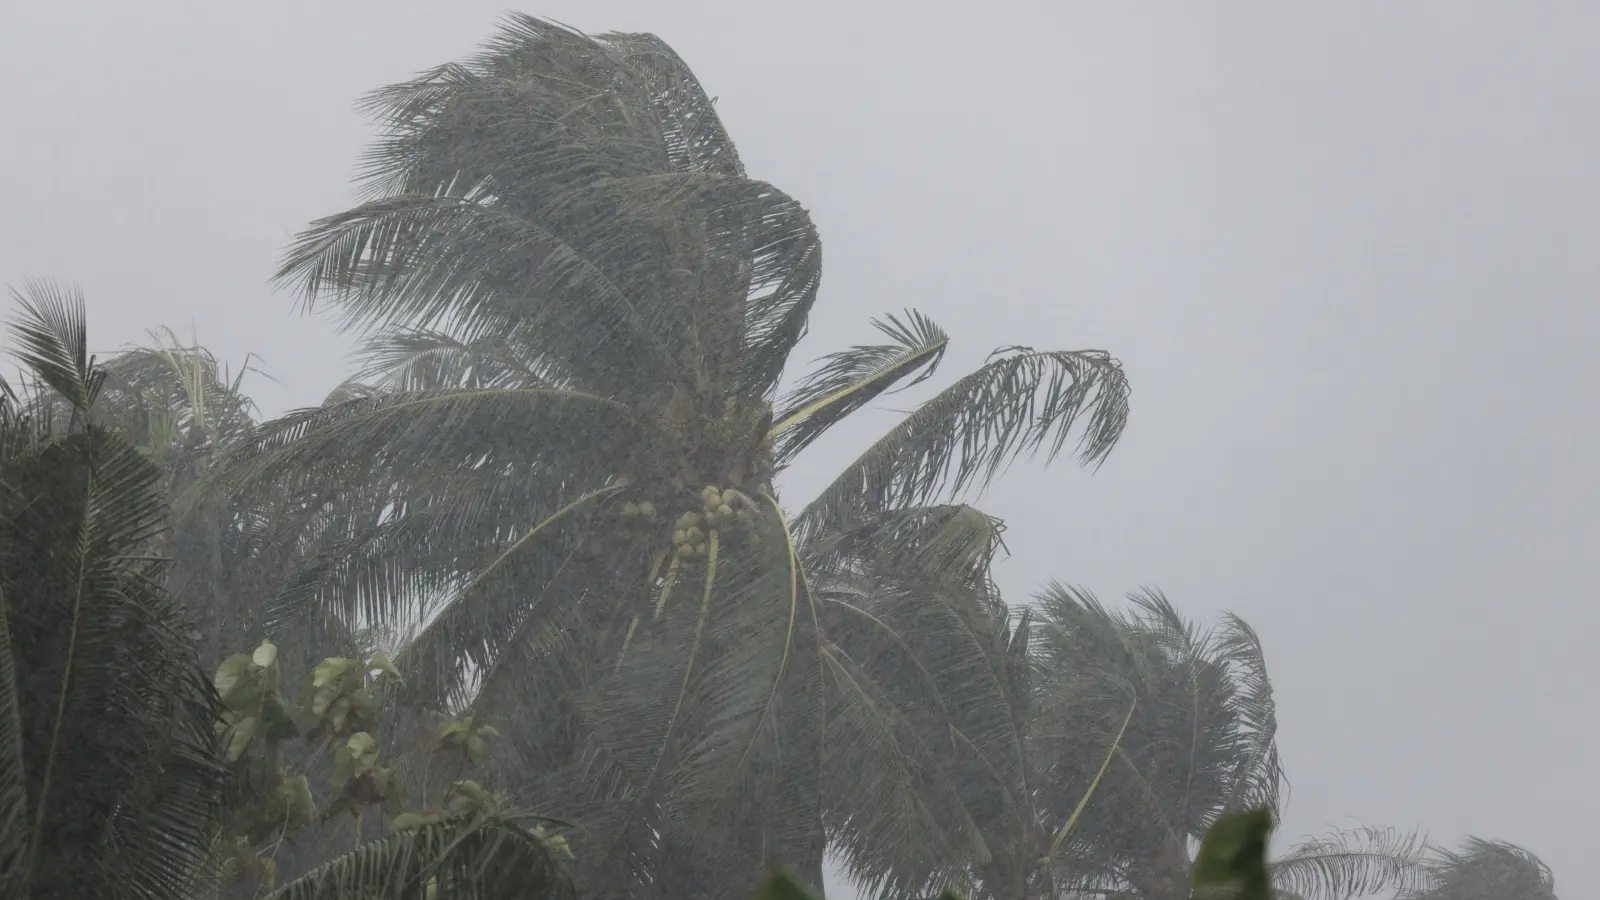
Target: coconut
[
  {"x": 689, "y": 519},
  {"x": 724, "y": 511},
  {"x": 647, "y": 509},
  {"x": 699, "y": 549},
  {"x": 679, "y": 537},
  {"x": 693, "y": 535},
  {"x": 630, "y": 508},
  {"x": 711, "y": 494}
]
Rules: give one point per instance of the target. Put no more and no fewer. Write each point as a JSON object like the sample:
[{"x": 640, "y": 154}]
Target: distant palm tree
[
  {"x": 568, "y": 441},
  {"x": 1487, "y": 870},
  {"x": 1110, "y": 742},
  {"x": 108, "y": 771}
]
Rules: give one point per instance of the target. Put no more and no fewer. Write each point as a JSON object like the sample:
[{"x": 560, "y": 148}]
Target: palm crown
[{"x": 560, "y": 460}]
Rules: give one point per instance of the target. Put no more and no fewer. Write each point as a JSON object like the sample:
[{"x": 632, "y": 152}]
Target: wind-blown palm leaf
[
  {"x": 580, "y": 191},
  {"x": 116, "y": 715},
  {"x": 850, "y": 379},
  {"x": 1486, "y": 870},
  {"x": 439, "y": 431},
  {"x": 1353, "y": 863},
  {"x": 470, "y": 858},
  {"x": 418, "y": 359},
  {"x": 961, "y": 438}
]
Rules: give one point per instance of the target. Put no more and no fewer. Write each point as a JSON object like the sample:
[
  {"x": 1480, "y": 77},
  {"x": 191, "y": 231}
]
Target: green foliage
[
  {"x": 109, "y": 774},
  {"x": 1233, "y": 854}
]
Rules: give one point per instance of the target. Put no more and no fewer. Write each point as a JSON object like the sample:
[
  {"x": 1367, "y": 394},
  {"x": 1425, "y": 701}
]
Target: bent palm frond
[
  {"x": 961, "y": 438},
  {"x": 470, "y": 858},
  {"x": 1353, "y": 863},
  {"x": 850, "y": 379}
]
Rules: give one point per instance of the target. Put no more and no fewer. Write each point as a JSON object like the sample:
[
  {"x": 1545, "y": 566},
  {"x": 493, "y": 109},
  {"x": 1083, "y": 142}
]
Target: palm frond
[
  {"x": 850, "y": 379},
  {"x": 470, "y": 858},
  {"x": 53, "y": 330},
  {"x": 581, "y": 192},
  {"x": 1259, "y": 778},
  {"x": 1482, "y": 869},
  {"x": 962, "y": 437},
  {"x": 438, "y": 432},
  {"x": 1353, "y": 863},
  {"x": 14, "y": 819},
  {"x": 420, "y": 359}
]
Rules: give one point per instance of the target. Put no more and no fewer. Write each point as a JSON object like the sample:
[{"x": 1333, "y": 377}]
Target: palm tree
[
  {"x": 1109, "y": 743},
  {"x": 567, "y": 447},
  {"x": 108, "y": 771},
  {"x": 1487, "y": 870}
]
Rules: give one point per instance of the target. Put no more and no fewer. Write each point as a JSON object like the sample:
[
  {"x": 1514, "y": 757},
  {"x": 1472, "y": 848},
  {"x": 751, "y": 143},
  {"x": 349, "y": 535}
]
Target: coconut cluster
[
  {"x": 719, "y": 508},
  {"x": 643, "y": 509}
]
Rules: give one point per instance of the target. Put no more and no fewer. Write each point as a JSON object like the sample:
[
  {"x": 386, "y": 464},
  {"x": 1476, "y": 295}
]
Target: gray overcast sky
[{"x": 1347, "y": 252}]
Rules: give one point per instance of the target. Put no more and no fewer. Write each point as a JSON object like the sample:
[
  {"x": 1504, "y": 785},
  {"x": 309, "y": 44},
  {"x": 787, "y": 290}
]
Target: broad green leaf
[
  {"x": 782, "y": 886},
  {"x": 477, "y": 749},
  {"x": 1234, "y": 852},
  {"x": 363, "y": 750},
  {"x": 331, "y": 670},
  {"x": 244, "y": 731},
  {"x": 380, "y": 661},
  {"x": 297, "y": 798},
  {"x": 323, "y": 701},
  {"x": 232, "y": 675},
  {"x": 339, "y": 712},
  {"x": 409, "y": 820},
  {"x": 265, "y": 655},
  {"x": 278, "y": 724}
]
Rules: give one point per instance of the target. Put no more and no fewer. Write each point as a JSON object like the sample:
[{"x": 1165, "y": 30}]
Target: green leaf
[
  {"x": 339, "y": 713},
  {"x": 232, "y": 676},
  {"x": 323, "y": 701},
  {"x": 331, "y": 670},
  {"x": 279, "y": 726},
  {"x": 380, "y": 661},
  {"x": 244, "y": 731},
  {"x": 265, "y": 655},
  {"x": 1234, "y": 852},
  {"x": 477, "y": 749},
  {"x": 782, "y": 886},
  {"x": 409, "y": 820},
  {"x": 466, "y": 795},
  {"x": 296, "y": 793},
  {"x": 363, "y": 752}
]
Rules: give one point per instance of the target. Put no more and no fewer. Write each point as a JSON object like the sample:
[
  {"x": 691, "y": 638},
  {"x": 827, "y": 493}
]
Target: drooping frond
[
  {"x": 1189, "y": 714},
  {"x": 470, "y": 858},
  {"x": 961, "y": 438},
  {"x": 1258, "y": 779},
  {"x": 1354, "y": 863},
  {"x": 1486, "y": 870},
  {"x": 850, "y": 379},
  {"x": 437, "y": 432}
]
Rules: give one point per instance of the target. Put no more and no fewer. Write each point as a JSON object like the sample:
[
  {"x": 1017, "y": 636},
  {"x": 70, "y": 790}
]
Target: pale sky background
[{"x": 1348, "y": 252}]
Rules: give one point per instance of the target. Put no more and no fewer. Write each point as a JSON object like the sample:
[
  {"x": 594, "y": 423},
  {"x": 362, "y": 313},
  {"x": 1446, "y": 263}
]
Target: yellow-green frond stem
[
  {"x": 666, "y": 586},
  {"x": 1072, "y": 820}
]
